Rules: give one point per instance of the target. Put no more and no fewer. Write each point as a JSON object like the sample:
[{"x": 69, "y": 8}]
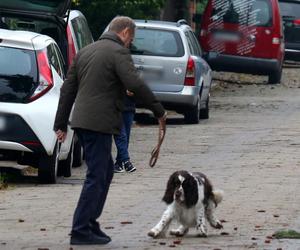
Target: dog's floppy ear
[
  {"x": 171, "y": 185},
  {"x": 190, "y": 191}
]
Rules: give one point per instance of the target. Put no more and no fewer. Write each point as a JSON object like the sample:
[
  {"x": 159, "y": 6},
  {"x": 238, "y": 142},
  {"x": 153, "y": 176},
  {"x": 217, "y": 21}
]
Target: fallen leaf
[
  {"x": 43, "y": 229},
  {"x": 276, "y": 215},
  {"x": 257, "y": 226},
  {"x": 224, "y": 233},
  {"x": 162, "y": 243},
  {"x": 20, "y": 220},
  {"x": 253, "y": 238},
  {"x": 223, "y": 221},
  {"x": 126, "y": 222},
  {"x": 267, "y": 241},
  {"x": 269, "y": 237},
  {"x": 235, "y": 228},
  {"x": 177, "y": 242},
  {"x": 261, "y": 211},
  {"x": 172, "y": 245}
]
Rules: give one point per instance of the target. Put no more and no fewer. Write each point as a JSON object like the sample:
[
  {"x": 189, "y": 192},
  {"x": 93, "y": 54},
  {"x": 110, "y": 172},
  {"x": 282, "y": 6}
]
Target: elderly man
[{"x": 96, "y": 84}]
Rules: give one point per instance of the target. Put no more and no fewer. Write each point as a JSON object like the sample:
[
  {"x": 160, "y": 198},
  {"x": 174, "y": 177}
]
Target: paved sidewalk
[{"x": 249, "y": 148}]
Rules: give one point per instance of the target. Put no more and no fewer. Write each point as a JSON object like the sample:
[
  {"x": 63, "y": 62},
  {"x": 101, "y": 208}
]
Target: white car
[{"x": 31, "y": 75}]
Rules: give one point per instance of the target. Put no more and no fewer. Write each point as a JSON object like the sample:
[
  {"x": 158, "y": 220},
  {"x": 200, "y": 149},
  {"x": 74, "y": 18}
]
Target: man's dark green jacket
[{"x": 96, "y": 84}]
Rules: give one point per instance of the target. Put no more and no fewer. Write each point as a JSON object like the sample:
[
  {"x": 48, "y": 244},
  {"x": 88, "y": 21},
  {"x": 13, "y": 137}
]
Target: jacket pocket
[{"x": 119, "y": 105}]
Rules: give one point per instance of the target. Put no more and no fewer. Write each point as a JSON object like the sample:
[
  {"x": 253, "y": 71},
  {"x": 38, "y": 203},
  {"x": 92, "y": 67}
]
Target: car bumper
[
  {"x": 188, "y": 96},
  {"x": 292, "y": 51},
  {"x": 241, "y": 64}
]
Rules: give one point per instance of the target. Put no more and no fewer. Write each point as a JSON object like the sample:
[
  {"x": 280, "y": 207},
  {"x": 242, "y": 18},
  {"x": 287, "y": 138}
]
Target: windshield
[
  {"x": 250, "y": 13},
  {"x": 157, "y": 42},
  {"x": 18, "y": 74},
  {"x": 290, "y": 9}
]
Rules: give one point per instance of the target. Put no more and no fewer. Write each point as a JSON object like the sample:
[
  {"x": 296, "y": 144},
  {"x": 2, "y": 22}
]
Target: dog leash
[{"x": 155, "y": 151}]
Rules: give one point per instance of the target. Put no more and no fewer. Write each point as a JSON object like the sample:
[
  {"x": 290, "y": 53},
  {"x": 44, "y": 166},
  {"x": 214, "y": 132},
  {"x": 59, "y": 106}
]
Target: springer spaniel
[{"x": 191, "y": 200}]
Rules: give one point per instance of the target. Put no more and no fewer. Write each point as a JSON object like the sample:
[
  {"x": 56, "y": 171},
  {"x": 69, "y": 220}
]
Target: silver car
[{"x": 169, "y": 58}]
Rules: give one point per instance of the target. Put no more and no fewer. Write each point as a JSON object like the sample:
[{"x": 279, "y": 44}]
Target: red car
[{"x": 243, "y": 36}]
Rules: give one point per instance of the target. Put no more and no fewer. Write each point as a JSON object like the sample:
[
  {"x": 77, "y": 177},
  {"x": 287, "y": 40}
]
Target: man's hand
[
  {"x": 61, "y": 135},
  {"x": 129, "y": 93}
]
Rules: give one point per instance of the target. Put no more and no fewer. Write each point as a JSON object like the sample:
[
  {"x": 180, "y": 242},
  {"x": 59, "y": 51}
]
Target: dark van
[
  {"x": 290, "y": 12},
  {"x": 243, "y": 36}
]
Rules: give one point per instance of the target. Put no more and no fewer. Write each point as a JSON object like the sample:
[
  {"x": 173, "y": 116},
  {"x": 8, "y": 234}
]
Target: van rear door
[{"x": 239, "y": 27}]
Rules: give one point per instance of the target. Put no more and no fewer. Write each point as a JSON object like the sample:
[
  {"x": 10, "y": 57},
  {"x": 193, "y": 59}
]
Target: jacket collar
[{"x": 110, "y": 35}]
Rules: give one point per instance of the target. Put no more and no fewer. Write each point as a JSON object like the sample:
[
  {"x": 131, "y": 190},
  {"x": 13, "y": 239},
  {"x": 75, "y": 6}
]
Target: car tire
[
  {"x": 275, "y": 77},
  {"x": 65, "y": 166},
  {"x": 204, "y": 113},
  {"x": 192, "y": 116},
  {"x": 77, "y": 153},
  {"x": 48, "y": 165}
]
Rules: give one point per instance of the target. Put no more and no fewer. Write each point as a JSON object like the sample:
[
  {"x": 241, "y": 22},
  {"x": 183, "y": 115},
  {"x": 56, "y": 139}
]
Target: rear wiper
[
  {"x": 288, "y": 18},
  {"x": 137, "y": 51}
]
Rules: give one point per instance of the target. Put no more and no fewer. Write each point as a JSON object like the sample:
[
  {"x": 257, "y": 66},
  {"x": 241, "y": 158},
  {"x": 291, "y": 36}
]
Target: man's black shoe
[
  {"x": 97, "y": 231},
  {"x": 90, "y": 239}
]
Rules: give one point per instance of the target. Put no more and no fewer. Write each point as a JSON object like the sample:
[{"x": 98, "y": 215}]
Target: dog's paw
[
  {"x": 178, "y": 233},
  {"x": 154, "y": 233},
  {"x": 218, "y": 225},
  {"x": 201, "y": 230}
]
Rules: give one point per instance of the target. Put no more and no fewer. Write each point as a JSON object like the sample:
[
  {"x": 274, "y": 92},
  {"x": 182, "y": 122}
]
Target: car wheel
[
  {"x": 48, "y": 165},
  {"x": 65, "y": 166},
  {"x": 275, "y": 77},
  {"x": 204, "y": 113},
  {"x": 192, "y": 116},
  {"x": 77, "y": 153}
]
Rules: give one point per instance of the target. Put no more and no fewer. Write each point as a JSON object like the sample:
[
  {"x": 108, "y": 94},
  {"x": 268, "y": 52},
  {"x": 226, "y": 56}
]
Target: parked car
[
  {"x": 290, "y": 12},
  {"x": 169, "y": 58},
  {"x": 31, "y": 74},
  {"x": 70, "y": 31},
  {"x": 244, "y": 36}
]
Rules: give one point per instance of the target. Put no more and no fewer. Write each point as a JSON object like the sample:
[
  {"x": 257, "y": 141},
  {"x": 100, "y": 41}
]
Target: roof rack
[{"x": 181, "y": 22}]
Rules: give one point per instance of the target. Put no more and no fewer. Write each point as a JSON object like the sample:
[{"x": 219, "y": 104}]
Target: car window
[
  {"x": 195, "y": 43},
  {"x": 251, "y": 12},
  {"x": 190, "y": 43},
  {"x": 82, "y": 32},
  {"x": 290, "y": 9},
  {"x": 54, "y": 60},
  {"x": 157, "y": 42},
  {"x": 18, "y": 75},
  {"x": 61, "y": 59}
]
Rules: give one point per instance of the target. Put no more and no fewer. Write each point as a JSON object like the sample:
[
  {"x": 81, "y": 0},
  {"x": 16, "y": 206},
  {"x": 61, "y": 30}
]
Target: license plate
[
  {"x": 2, "y": 123},
  {"x": 226, "y": 37}
]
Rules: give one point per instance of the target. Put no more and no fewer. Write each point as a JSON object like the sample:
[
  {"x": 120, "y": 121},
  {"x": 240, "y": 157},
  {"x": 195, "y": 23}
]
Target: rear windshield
[
  {"x": 157, "y": 42},
  {"x": 288, "y": 9},
  {"x": 18, "y": 74},
  {"x": 250, "y": 13}
]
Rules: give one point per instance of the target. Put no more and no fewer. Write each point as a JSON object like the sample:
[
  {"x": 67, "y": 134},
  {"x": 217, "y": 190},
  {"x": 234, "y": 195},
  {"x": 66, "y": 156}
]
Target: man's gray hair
[{"x": 119, "y": 23}]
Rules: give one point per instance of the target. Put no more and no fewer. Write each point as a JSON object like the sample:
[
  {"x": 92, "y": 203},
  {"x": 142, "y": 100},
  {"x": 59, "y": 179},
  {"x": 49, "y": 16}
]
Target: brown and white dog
[{"x": 191, "y": 201}]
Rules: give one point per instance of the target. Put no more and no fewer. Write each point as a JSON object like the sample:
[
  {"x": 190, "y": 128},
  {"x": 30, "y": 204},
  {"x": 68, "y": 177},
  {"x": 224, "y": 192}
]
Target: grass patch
[{"x": 287, "y": 234}]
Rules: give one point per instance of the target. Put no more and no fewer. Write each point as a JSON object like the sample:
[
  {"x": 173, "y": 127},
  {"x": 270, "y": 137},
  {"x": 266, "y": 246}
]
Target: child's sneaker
[
  {"x": 128, "y": 167},
  {"x": 118, "y": 168}
]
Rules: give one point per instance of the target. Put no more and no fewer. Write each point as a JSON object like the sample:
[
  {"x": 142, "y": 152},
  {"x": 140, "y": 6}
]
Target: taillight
[
  {"x": 276, "y": 40},
  {"x": 296, "y": 22},
  {"x": 190, "y": 73},
  {"x": 45, "y": 77},
  {"x": 71, "y": 46}
]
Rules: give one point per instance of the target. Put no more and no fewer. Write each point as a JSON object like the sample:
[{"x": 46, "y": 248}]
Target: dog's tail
[{"x": 218, "y": 196}]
